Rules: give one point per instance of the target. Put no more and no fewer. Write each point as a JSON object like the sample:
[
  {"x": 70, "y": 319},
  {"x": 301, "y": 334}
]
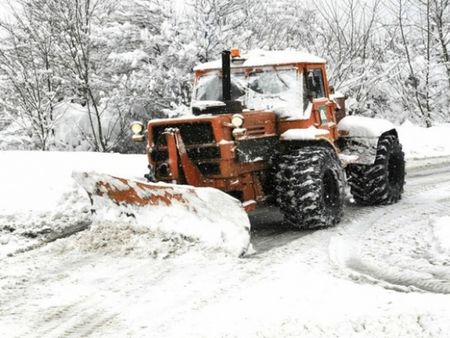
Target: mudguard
[
  {"x": 308, "y": 134},
  {"x": 360, "y": 137}
]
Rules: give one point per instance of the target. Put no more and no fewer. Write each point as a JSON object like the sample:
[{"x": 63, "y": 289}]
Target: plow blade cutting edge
[{"x": 206, "y": 214}]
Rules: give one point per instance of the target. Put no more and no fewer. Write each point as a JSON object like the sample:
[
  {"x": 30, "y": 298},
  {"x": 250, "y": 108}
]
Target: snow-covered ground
[
  {"x": 420, "y": 143},
  {"x": 382, "y": 272}
]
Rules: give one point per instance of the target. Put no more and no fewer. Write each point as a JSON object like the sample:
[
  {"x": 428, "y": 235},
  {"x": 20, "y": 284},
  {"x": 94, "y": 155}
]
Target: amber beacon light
[{"x": 235, "y": 52}]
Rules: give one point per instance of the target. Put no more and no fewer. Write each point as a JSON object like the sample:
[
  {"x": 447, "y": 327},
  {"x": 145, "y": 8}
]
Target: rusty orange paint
[
  {"x": 173, "y": 156},
  {"x": 154, "y": 195},
  {"x": 245, "y": 178}
]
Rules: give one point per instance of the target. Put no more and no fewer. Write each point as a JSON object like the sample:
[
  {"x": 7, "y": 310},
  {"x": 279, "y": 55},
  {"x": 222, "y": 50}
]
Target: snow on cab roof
[{"x": 265, "y": 58}]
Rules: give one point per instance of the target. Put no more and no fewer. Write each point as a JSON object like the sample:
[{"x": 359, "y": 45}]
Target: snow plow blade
[
  {"x": 126, "y": 192},
  {"x": 207, "y": 214}
]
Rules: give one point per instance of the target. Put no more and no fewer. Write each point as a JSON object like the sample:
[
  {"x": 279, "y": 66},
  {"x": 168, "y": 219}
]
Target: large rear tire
[
  {"x": 310, "y": 187},
  {"x": 382, "y": 182}
]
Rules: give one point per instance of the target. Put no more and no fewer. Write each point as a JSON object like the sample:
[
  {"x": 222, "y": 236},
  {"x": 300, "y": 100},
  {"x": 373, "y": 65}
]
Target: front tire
[
  {"x": 310, "y": 187},
  {"x": 382, "y": 182}
]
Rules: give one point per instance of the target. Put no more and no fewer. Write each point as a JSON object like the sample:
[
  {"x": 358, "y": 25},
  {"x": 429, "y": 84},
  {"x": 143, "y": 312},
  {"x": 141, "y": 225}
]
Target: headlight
[
  {"x": 137, "y": 127},
  {"x": 237, "y": 120},
  {"x": 239, "y": 133}
]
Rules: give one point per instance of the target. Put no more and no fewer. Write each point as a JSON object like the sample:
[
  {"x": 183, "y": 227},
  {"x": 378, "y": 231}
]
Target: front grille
[
  {"x": 192, "y": 133},
  {"x": 200, "y": 146},
  {"x": 209, "y": 168},
  {"x": 203, "y": 153},
  {"x": 194, "y": 153}
]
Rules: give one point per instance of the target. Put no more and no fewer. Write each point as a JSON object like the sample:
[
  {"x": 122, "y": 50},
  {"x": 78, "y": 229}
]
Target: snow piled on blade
[
  {"x": 43, "y": 203},
  {"x": 207, "y": 215}
]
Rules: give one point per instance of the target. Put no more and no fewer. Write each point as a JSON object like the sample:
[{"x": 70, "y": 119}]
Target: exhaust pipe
[
  {"x": 233, "y": 107},
  {"x": 226, "y": 76}
]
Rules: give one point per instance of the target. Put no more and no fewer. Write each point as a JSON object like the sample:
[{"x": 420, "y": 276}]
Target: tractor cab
[{"x": 282, "y": 82}]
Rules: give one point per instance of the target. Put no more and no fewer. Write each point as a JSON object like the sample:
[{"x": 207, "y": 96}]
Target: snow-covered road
[
  {"x": 382, "y": 272},
  {"x": 401, "y": 246}
]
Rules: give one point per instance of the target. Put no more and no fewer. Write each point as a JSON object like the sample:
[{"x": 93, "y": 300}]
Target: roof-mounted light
[{"x": 235, "y": 53}]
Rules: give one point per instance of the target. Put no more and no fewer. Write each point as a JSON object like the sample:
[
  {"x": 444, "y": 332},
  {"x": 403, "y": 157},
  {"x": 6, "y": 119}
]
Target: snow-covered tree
[
  {"x": 75, "y": 73},
  {"x": 284, "y": 24},
  {"x": 421, "y": 81},
  {"x": 28, "y": 66}
]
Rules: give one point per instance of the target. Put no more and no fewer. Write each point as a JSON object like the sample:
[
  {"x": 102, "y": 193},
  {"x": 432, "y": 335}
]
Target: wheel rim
[{"x": 330, "y": 193}]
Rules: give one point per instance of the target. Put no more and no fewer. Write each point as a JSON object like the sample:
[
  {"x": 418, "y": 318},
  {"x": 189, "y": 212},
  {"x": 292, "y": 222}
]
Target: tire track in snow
[
  {"x": 73, "y": 320},
  {"x": 394, "y": 246},
  {"x": 82, "y": 317}
]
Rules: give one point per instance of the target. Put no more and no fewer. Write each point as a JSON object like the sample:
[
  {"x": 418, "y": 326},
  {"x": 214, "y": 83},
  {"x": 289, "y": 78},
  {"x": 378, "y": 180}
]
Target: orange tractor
[{"x": 266, "y": 128}]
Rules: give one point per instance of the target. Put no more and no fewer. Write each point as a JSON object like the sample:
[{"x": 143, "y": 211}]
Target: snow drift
[{"x": 419, "y": 143}]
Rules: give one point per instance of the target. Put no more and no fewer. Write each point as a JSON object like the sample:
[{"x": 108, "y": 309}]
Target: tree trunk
[{"x": 424, "y": 115}]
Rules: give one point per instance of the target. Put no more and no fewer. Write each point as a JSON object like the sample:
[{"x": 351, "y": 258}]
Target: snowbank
[
  {"x": 37, "y": 181},
  {"x": 419, "y": 142},
  {"x": 43, "y": 201}
]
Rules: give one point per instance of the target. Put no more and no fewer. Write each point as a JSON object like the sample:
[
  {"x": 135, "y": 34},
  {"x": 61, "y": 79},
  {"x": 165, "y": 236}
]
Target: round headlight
[
  {"x": 137, "y": 127},
  {"x": 237, "y": 120}
]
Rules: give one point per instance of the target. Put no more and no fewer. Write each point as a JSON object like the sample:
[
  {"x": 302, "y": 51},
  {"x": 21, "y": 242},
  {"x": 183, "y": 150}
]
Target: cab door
[{"x": 317, "y": 92}]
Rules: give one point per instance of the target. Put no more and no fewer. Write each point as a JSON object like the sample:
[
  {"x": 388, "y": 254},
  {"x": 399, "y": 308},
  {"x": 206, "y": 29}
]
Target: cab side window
[{"x": 314, "y": 83}]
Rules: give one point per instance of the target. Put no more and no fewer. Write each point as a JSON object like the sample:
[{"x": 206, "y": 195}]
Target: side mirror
[{"x": 331, "y": 89}]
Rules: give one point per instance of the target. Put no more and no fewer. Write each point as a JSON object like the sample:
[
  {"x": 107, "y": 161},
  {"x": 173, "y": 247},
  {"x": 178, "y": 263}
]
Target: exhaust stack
[
  {"x": 230, "y": 107},
  {"x": 233, "y": 107},
  {"x": 226, "y": 76}
]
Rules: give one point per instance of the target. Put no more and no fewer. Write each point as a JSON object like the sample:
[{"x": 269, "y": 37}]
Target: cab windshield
[{"x": 277, "y": 90}]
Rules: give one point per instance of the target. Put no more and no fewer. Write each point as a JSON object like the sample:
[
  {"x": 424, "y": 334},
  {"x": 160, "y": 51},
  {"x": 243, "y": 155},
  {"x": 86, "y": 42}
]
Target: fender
[
  {"x": 360, "y": 135},
  {"x": 309, "y": 135}
]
